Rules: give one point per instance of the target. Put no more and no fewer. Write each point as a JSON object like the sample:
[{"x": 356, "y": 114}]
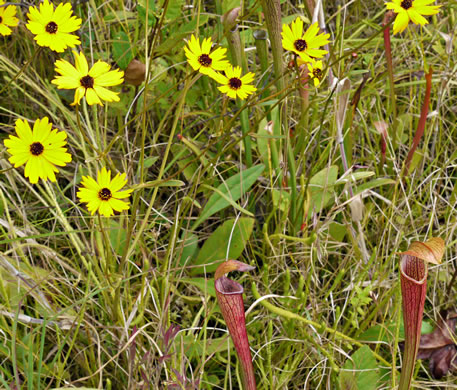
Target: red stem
[
  {"x": 421, "y": 124},
  {"x": 230, "y": 298}
]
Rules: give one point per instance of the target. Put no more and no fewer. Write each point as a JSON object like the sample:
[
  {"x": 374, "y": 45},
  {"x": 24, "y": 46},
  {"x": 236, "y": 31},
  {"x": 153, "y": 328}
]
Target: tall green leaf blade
[
  {"x": 233, "y": 188},
  {"x": 230, "y": 237},
  {"x": 321, "y": 187}
]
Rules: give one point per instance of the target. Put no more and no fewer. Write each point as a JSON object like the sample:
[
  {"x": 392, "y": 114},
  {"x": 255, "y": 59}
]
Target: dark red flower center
[
  {"x": 300, "y": 44},
  {"x": 406, "y": 4},
  {"x": 51, "y": 28},
  {"x": 87, "y": 81},
  {"x": 235, "y": 83},
  {"x": 1, "y": 20},
  {"x": 105, "y": 194},
  {"x": 317, "y": 73},
  {"x": 36, "y": 148},
  {"x": 205, "y": 60}
]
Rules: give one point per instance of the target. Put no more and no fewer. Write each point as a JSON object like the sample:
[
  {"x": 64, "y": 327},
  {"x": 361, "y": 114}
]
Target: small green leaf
[
  {"x": 337, "y": 231},
  {"x": 189, "y": 249},
  {"x": 174, "y": 10},
  {"x": 149, "y": 162},
  {"x": 373, "y": 184},
  {"x": 233, "y": 188},
  {"x": 263, "y": 140},
  {"x": 360, "y": 372},
  {"x": 321, "y": 188},
  {"x": 141, "y": 7},
  {"x": 194, "y": 347},
  {"x": 122, "y": 50},
  {"x": 185, "y": 161},
  {"x": 354, "y": 176},
  {"x": 204, "y": 284},
  {"x": 386, "y": 333},
  {"x": 175, "y": 41},
  {"x": 214, "y": 250},
  {"x": 281, "y": 199},
  {"x": 117, "y": 236}
]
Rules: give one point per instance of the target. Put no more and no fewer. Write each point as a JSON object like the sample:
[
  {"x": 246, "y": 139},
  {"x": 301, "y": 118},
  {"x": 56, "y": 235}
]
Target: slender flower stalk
[
  {"x": 388, "y": 17},
  {"x": 413, "y": 274},
  {"x": 230, "y": 298}
]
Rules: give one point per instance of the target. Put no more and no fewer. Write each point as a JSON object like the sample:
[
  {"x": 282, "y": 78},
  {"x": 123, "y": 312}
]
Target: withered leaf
[
  {"x": 439, "y": 346},
  {"x": 135, "y": 72}
]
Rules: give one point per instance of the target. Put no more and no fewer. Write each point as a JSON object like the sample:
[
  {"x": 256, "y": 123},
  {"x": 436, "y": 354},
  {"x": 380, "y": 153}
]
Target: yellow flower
[
  {"x": 53, "y": 28},
  {"x": 41, "y": 149},
  {"x": 7, "y": 18},
  {"x": 413, "y": 10},
  {"x": 104, "y": 195},
  {"x": 315, "y": 72},
  {"x": 304, "y": 44},
  {"x": 233, "y": 84},
  {"x": 88, "y": 82},
  {"x": 202, "y": 59}
]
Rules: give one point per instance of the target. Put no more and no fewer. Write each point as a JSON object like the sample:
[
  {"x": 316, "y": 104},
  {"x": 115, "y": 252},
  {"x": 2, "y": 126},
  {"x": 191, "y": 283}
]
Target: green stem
[
  {"x": 390, "y": 71},
  {"x": 247, "y": 140},
  {"x": 237, "y": 53},
  {"x": 177, "y": 116},
  {"x": 24, "y": 67},
  {"x": 319, "y": 326}
]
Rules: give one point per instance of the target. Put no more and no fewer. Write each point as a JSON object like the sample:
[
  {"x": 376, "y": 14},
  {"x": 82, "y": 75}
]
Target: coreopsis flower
[
  {"x": 53, "y": 27},
  {"x": 7, "y": 18},
  {"x": 307, "y": 44},
  {"x": 233, "y": 85},
  {"x": 87, "y": 82},
  {"x": 413, "y": 10},
  {"x": 202, "y": 59},
  {"x": 104, "y": 194},
  {"x": 41, "y": 149},
  {"x": 315, "y": 72}
]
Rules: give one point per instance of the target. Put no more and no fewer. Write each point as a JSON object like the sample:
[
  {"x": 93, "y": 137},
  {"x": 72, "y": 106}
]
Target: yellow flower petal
[
  {"x": 53, "y": 28},
  {"x": 40, "y": 149},
  {"x": 81, "y": 63},
  {"x": 416, "y": 17},
  {"x": 92, "y": 97},
  {"x": 401, "y": 22},
  {"x": 87, "y": 82},
  {"x": 103, "y": 195}
]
